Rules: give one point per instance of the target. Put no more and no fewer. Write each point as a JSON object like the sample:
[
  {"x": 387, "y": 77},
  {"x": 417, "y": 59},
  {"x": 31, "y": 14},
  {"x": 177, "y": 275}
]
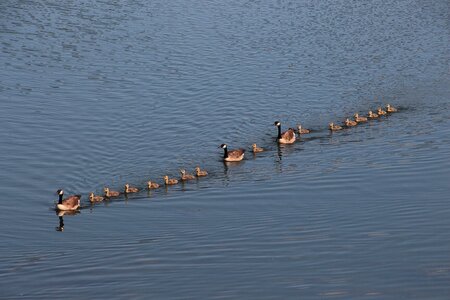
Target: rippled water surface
[{"x": 101, "y": 93}]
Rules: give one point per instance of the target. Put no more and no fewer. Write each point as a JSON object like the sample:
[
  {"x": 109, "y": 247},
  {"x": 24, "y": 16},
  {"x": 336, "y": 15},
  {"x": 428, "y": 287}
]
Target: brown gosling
[
  {"x": 186, "y": 176},
  {"x": 109, "y": 194},
  {"x": 256, "y": 149},
  {"x": 334, "y": 127},
  {"x": 350, "y": 123},
  {"x": 381, "y": 112},
  {"x": 70, "y": 203},
  {"x": 232, "y": 155},
  {"x": 170, "y": 181},
  {"x": 199, "y": 172},
  {"x": 372, "y": 115},
  {"x": 302, "y": 130},
  {"x": 152, "y": 185},
  {"x": 95, "y": 198},
  {"x": 287, "y": 137},
  {"x": 130, "y": 189},
  {"x": 359, "y": 119},
  {"x": 390, "y": 109}
]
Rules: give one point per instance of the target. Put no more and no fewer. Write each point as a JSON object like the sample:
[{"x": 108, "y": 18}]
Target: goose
[
  {"x": 359, "y": 119},
  {"x": 287, "y": 137},
  {"x": 130, "y": 189},
  {"x": 256, "y": 149},
  {"x": 381, "y": 112},
  {"x": 109, "y": 193},
  {"x": 170, "y": 181},
  {"x": 372, "y": 115},
  {"x": 334, "y": 127},
  {"x": 199, "y": 172},
  {"x": 95, "y": 198},
  {"x": 70, "y": 203},
  {"x": 390, "y": 109},
  {"x": 232, "y": 155},
  {"x": 350, "y": 123},
  {"x": 152, "y": 185},
  {"x": 185, "y": 176},
  {"x": 302, "y": 130}
]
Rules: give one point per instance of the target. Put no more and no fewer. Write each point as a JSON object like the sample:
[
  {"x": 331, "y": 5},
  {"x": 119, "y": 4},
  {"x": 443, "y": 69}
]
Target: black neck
[
  {"x": 60, "y": 199},
  {"x": 279, "y": 132},
  {"x": 225, "y": 152}
]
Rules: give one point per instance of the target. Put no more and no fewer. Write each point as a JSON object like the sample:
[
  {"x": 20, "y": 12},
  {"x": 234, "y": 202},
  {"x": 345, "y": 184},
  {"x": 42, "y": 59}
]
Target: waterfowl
[
  {"x": 334, "y": 127},
  {"x": 287, "y": 137},
  {"x": 372, "y": 115},
  {"x": 186, "y": 176},
  {"x": 170, "y": 181},
  {"x": 381, "y": 112},
  {"x": 359, "y": 119},
  {"x": 152, "y": 185},
  {"x": 199, "y": 172},
  {"x": 109, "y": 193},
  {"x": 70, "y": 203},
  {"x": 302, "y": 130},
  {"x": 350, "y": 123},
  {"x": 232, "y": 155},
  {"x": 256, "y": 149},
  {"x": 130, "y": 189},
  {"x": 390, "y": 109},
  {"x": 95, "y": 198}
]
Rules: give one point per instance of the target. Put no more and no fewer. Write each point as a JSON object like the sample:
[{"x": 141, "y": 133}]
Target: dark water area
[{"x": 102, "y": 93}]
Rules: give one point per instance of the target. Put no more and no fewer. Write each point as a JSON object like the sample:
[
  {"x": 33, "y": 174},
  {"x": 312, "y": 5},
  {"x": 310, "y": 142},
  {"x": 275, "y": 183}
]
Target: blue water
[{"x": 101, "y": 93}]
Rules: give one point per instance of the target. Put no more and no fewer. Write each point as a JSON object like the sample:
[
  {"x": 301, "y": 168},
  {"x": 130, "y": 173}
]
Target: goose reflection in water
[{"x": 60, "y": 215}]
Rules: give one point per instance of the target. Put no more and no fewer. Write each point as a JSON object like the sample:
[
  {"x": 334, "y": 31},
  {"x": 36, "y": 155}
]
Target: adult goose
[
  {"x": 287, "y": 137},
  {"x": 232, "y": 155},
  {"x": 70, "y": 203}
]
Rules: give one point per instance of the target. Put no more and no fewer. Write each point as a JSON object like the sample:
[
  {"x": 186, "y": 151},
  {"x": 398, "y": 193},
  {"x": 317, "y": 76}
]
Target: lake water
[{"x": 101, "y": 93}]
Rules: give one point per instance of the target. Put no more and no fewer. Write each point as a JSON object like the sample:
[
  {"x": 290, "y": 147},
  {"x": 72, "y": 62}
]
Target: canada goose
[
  {"x": 359, "y": 119},
  {"x": 287, "y": 137},
  {"x": 171, "y": 181},
  {"x": 372, "y": 115},
  {"x": 256, "y": 149},
  {"x": 70, "y": 203},
  {"x": 302, "y": 130},
  {"x": 185, "y": 176},
  {"x": 95, "y": 198},
  {"x": 232, "y": 155},
  {"x": 390, "y": 109},
  {"x": 109, "y": 194},
  {"x": 381, "y": 112},
  {"x": 199, "y": 172},
  {"x": 130, "y": 189},
  {"x": 334, "y": 127},
  {"x": 152, "y": 185},
  {"x": 350, "y": 123}
]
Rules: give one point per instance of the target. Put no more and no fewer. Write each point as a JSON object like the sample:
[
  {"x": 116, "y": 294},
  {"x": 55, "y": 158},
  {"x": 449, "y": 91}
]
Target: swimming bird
[
  {"x": 256, "y": 149},
  {"x": 350, "y": 123},
  {"x": 372, "y": 115},
  {"x": 302, "y": 130},
  {"x": 199, "y": 172},
  {"x": 381, "y": 112},
  {"x": 152, "y": 185},
  {"x": 130, "y": 189},
  {"x": 95, "y": 198},
  {"x": 170, "y": 181},
  {"x": 359, "y": 119},
  {"x": 70, "y": 203},
  {"x": 232, "y": 155},
  {"x": 186, "y": 176},
  {"x": 109, "y": 193},
  {"x": 334, "y": 127},
  {"x": 287, "y": 137},
  {"x": 390, "y": 109}
]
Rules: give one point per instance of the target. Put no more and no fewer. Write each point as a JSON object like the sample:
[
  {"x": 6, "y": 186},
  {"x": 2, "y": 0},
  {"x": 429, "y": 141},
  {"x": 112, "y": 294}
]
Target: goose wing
[
  {"x": 236, "y": 153},
  {"x": 72, "y": 201},
  {"x": 288, "y": 135}
]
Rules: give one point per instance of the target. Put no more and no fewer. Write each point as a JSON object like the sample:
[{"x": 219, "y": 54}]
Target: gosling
[
  {"x": 381, "y": 112},
  {"x": 372, "y": 115},
  {"x": 334, "y": 127},
  {"x": 350, "y": 123},
  {"x": 256, "y": 149},
  {"x": 390, "y": 109},
  {"x": 130, "y": 189},
  {"x": 95, "y": 198},
  {"x": 109, "y": 194},
  {"x": 359, "y": 119},
  {"x": 170, "y": 181},
  {"x": 302, "y": 130},
  {"x": 199, "y": 172},
  {"x": 185, "y": 176},
  {"x": 152, "y": 185}
]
